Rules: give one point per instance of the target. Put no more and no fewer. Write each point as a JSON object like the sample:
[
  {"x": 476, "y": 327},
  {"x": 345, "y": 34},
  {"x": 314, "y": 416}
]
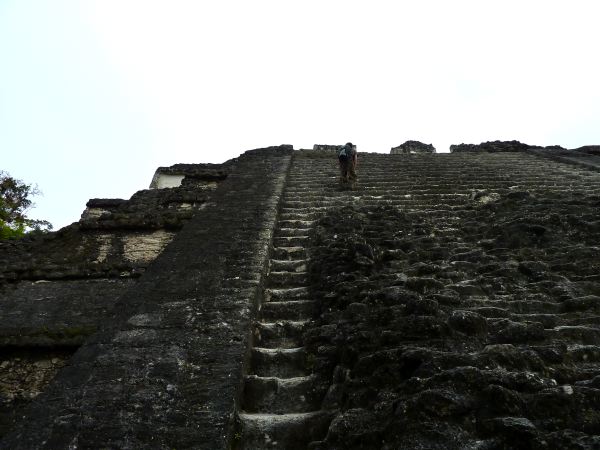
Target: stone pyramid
[{"x": 446, "y": 301}]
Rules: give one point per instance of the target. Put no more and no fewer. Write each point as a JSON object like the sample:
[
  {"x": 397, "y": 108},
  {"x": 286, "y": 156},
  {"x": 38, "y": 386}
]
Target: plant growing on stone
[{"x": 15, "y": 201}]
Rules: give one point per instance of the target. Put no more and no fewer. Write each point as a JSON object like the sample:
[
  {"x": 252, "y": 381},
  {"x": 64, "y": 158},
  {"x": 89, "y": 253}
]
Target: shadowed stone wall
[
  {"x": 165, "y": 367},
  {"x": 58, "y": 288}
]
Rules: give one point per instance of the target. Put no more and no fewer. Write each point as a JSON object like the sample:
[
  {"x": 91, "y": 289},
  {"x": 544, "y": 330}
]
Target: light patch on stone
[
  {"x": 23, "y": 377},
  {"x": 207, "y": 185},
  {"x": 493, "y": 197},
  {"x": 104, "y": 242},
  {"x": 567, "y": 389},
  {"x": 93, "y": 213},
  {"x": 145, "y": 320},
  {"x": 144, "y": 248},
  {"x": 162, "y": 181},
  {"x": 135, "y": 336},
  {"x": 187, "y": 206}
]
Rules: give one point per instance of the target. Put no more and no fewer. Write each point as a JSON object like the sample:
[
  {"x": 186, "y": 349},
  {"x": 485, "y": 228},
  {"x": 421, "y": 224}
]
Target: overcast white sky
[{"x": 95, "y": 94}]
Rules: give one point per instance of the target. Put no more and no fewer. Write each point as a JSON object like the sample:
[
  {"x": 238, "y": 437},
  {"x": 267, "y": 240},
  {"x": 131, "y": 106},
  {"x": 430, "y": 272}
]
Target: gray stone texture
[
  {"x": 457, "y": 303},
  {"x": 448, "y": 301},
  {"x": 165, "y": 367},
  {"x": 326, "y": 147},
  {"x": 58, "y": 313},
  {"x": 412, "y": 147},
  {"x": 57, "y": 289},
  {"x": 491, "y": 147},
  {"x": 194, "y": 173}
]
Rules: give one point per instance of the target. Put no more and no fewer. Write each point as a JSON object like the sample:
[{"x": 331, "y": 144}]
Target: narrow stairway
[{"x": 281, "y": 404}]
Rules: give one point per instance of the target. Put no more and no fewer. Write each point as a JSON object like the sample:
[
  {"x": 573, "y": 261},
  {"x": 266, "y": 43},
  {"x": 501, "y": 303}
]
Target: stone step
[
  {"x": 294, "y": 241},
  {"x": 284, "y": 265},
  {"x": 549, "y": 321},
  {"x": 514, "y": 306},
  {"x": 282, "y": 431},
  {"x": 297, "y": 215},
  {"x": 309, "y": 211},
  {"x": 405, "y": 196},
  {"x": 306, "y": 224},
  {"x": 578, "y": 334},
  {"x": 379, "y": 196},
  {"x": 315, "y": 213},
  {"x": 288, "y": 253},
  {"x": 407, "y": 179},
  {"x": 280, "y": 395},
  {"x": 306, "y": 201},
  {"x": 290, "y": 310},
  {"x": 588, "y": 354},
  {"x": 287, "y": 279},
  {"x": 490, "y": 312},
  {"x": 290, "y": 232},
  {"x": 279, "y": 362},
  {"x": 374, "y": 198},
  {"x": 444, "y": 169},
  {"x": 458, "y": 186},
  {"x": 306, "y": 177},
  {"x": 533, "y": 307},
  {"x": 394, "y": 188},
  {"x": 280, "y": 334},
  {"x": 286, "y": 294},
  {"x": 434, "y": 202},
  {"x": 583, "y": 319}
]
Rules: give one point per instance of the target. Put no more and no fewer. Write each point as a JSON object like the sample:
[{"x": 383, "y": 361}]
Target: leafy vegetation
[{"x": 15, "y": 201}]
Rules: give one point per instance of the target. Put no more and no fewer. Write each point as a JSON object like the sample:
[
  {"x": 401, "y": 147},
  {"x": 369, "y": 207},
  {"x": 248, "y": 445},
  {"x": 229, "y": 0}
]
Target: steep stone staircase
[
  {"x": 281, "y": 407},
  {"x": 281, "y": 404}
]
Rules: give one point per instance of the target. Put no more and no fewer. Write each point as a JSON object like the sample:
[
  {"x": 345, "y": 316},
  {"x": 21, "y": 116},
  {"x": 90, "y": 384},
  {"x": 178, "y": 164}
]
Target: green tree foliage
[{"x": 15, "y": 201}]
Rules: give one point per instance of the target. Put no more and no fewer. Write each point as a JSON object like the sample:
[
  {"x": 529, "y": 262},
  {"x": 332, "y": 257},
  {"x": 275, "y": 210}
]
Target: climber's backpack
[{"x": 344, "y": 153}]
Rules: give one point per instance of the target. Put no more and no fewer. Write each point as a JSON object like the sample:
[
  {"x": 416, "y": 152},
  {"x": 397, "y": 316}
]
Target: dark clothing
[
  {"x": 347, "y": 158},
  {"x": 347, "y": 151},
  {"x": 348, "y": 170}
]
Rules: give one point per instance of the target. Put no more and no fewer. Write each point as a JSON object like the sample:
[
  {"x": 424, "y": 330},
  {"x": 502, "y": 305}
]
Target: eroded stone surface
[
  {"x": 144, "y": 247},
  {"x": 412, "y": 147},
  {"x": 23, "y": 376},
  {"x": 493, "y": 146},
  {"x": 104, "y": 243},
  {"x": 93, "y": 213},
  {"x": 201, "y": 175},
  {"x": 58, "y": 289},
  {"x": 486, "y": 333},
  {"x": 63, "y": 312},
  {"x": 164, "y": 367}
]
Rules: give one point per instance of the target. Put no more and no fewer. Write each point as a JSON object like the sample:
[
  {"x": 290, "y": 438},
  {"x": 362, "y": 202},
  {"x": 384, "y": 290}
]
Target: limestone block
[
  {"x": 24, "y": 375},
  {"x": 145, "y": 247},
  {"x": 104, "y": 244},
  {"x": 93, "y": 213},
  {"x": 163, "y": 180}
]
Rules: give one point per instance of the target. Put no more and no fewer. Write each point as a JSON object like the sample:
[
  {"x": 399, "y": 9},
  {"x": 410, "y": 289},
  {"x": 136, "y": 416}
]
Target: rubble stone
[{"x": 412, "y": 147}]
